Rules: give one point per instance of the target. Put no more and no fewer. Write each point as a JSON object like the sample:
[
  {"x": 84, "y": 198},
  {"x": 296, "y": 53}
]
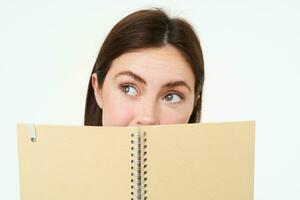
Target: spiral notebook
[{"x": 211, "y": 161}]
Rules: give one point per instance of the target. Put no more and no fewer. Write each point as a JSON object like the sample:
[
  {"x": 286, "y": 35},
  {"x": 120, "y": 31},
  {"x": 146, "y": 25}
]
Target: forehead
[{"x": 163, "y": 63}]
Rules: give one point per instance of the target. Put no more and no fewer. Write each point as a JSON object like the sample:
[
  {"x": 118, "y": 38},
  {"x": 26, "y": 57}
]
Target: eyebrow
[{"x": 166, "y": 85}]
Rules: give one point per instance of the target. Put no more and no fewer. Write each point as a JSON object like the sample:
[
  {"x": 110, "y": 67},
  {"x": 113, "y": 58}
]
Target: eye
[
  {"x": 129, "y": 89},
  {"x": 173, "y": 98}
]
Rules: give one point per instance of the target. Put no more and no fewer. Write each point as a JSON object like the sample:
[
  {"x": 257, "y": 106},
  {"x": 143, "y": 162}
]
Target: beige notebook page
[
  {"x": 74, "y": 163},
  {"x": 200, "y": 161}
]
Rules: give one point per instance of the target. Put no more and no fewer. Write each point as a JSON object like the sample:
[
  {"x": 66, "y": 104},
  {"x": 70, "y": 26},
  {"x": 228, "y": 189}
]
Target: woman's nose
[{"x": 147, "y": 114}]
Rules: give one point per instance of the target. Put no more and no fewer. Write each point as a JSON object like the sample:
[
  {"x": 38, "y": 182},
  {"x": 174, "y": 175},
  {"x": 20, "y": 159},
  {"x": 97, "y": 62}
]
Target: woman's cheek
[
  {"x": 174, "y": 116},
  {"x": 118, "y": 112}
]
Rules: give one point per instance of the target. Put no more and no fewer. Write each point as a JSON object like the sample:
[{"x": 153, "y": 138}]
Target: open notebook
[{"x": 209, "y": 161}]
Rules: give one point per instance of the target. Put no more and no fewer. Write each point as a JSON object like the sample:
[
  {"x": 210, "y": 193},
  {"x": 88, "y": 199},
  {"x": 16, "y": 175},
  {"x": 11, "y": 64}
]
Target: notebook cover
[
  {"x": 213, "y": 161},
  {"x": 187, "y": 161},
  {"x": 69, "y": 162}
]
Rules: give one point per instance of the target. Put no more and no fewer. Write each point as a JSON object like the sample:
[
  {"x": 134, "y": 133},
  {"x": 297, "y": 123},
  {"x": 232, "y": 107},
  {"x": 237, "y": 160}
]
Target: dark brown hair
[{"x": 146, "y": 29}]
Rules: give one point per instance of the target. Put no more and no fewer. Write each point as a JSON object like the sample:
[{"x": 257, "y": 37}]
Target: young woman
[{"x": 149, "y": 71}]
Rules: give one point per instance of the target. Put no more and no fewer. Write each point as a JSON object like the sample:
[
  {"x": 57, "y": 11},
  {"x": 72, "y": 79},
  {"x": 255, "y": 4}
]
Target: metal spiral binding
[{"x": 138, "y": 166}]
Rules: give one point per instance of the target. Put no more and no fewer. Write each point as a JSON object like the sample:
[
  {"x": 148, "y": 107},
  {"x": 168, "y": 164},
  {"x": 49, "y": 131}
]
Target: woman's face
[{"x": 147, "y": 87}]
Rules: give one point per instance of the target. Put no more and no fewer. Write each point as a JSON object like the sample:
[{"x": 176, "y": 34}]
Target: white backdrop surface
[{"x": 251, "y": 49}]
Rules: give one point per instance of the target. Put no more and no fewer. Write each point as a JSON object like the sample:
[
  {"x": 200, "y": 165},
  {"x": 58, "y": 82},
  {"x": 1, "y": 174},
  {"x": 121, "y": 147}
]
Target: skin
[{"x": 135, "y": 93}]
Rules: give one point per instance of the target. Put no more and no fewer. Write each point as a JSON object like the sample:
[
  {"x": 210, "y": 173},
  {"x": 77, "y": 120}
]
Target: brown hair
[{"x": 146, "y": 29}]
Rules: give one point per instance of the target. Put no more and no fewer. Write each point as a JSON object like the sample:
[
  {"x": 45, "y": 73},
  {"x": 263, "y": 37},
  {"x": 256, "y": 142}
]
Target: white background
[{"x": 251, "y": 49}]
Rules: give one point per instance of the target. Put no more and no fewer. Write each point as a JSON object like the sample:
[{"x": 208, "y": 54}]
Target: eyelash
[{"x": 123, "y": 86}]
